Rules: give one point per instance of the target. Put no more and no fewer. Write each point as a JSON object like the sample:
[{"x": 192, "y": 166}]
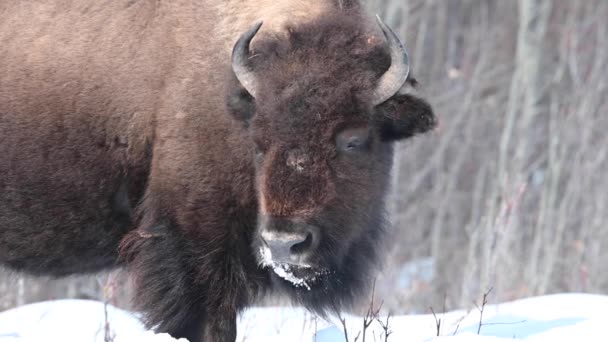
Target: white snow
[
  {"x": 564, "y": 317},
  {"x": 72, "y": 321},
  {"x": 282, "y": 270}
]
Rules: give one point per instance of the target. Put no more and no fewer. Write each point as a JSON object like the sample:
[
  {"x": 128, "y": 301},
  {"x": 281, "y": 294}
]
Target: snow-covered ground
[{"x": 565, "y": 317}]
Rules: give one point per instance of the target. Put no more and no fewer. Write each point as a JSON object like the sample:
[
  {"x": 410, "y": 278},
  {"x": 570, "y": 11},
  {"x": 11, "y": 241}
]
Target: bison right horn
[
  {"x": 396, "y": 75},
  {"x": 240, "y": 56}
]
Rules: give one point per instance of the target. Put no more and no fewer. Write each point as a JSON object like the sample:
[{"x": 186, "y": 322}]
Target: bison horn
[
  {"x": 240, "y": 57},
  {"x": 396, "y": 75}
]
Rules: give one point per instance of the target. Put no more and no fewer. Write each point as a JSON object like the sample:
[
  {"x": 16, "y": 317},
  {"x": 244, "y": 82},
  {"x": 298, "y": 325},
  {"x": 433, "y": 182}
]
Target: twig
[
  {"x": 107, "y": 332},
  {"x": 437, "y": 322},
  {"x": 506, "y": 323},
  {"x": 460, "y": 321},
  {"x": 316, "y": 328},
  {"x": 385, "y": 326},
  {"x": 371, "y": 313},
  {"x": 108, "y": 291},
  {"x": 343, "y": 321},
  {"x": 483, "y": 305}
]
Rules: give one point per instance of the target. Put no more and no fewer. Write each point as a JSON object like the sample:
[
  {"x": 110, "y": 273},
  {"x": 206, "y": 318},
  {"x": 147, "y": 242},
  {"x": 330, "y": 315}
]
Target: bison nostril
[
  {"x": 302, "y": 246},
  {"x": 288, "y": 248}
]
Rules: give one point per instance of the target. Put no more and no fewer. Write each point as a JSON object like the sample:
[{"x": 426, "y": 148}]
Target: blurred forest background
[{"x": 510, "y": 191}]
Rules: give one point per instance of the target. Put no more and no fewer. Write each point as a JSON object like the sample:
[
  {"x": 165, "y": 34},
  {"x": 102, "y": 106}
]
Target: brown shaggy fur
[{"x": 122, "y": 121}]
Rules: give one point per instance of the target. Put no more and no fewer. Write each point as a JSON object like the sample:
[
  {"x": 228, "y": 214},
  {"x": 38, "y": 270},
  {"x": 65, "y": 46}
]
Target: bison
[{"x": 132, "y": 135}]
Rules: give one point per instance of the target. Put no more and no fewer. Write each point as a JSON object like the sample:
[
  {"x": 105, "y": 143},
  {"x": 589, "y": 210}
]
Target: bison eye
[{"x": 353, "y": 139}]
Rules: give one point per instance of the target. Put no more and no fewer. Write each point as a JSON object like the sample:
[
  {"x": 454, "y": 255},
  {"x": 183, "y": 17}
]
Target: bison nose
[
  {"x": 289, "y": 247},
  {"x": 286, "y": 247}
]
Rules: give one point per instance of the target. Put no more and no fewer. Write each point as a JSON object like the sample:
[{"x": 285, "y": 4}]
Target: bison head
[{"x": 323, "y": 106}]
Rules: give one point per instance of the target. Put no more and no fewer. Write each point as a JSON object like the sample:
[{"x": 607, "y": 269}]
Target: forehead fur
[{"x": 320, "y": 69}]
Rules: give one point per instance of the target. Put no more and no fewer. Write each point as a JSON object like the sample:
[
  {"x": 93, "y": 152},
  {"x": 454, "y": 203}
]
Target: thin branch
[
  {"x": 437, "y": 322},
  {"x": 343, "y": 321},
  {"x": 483, "y": 305}
]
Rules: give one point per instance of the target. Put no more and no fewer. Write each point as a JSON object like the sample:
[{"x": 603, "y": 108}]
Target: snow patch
[
  {"x": 566, "y": 317},
  {"x": 266, "y": 254},
  {"x": 282, "y": 270},
  {"x": 73, "y": 321}
]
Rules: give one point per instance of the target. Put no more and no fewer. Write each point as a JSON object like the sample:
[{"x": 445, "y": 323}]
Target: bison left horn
[
  {"x": 396, "y": 75},
  {"x": 240, "y": 63}
]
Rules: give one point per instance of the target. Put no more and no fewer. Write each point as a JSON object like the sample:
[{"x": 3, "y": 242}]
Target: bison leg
[
  {"x": 209, "y": 327},
  {"x": 181, "y": 293},
  {"x": 220, "y": 327}
]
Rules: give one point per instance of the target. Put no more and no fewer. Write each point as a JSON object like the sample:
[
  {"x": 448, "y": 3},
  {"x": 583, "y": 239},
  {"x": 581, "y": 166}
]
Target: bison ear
[
  {"x": 240, "y": 104},
  {"x": 403, "y": 116}
]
